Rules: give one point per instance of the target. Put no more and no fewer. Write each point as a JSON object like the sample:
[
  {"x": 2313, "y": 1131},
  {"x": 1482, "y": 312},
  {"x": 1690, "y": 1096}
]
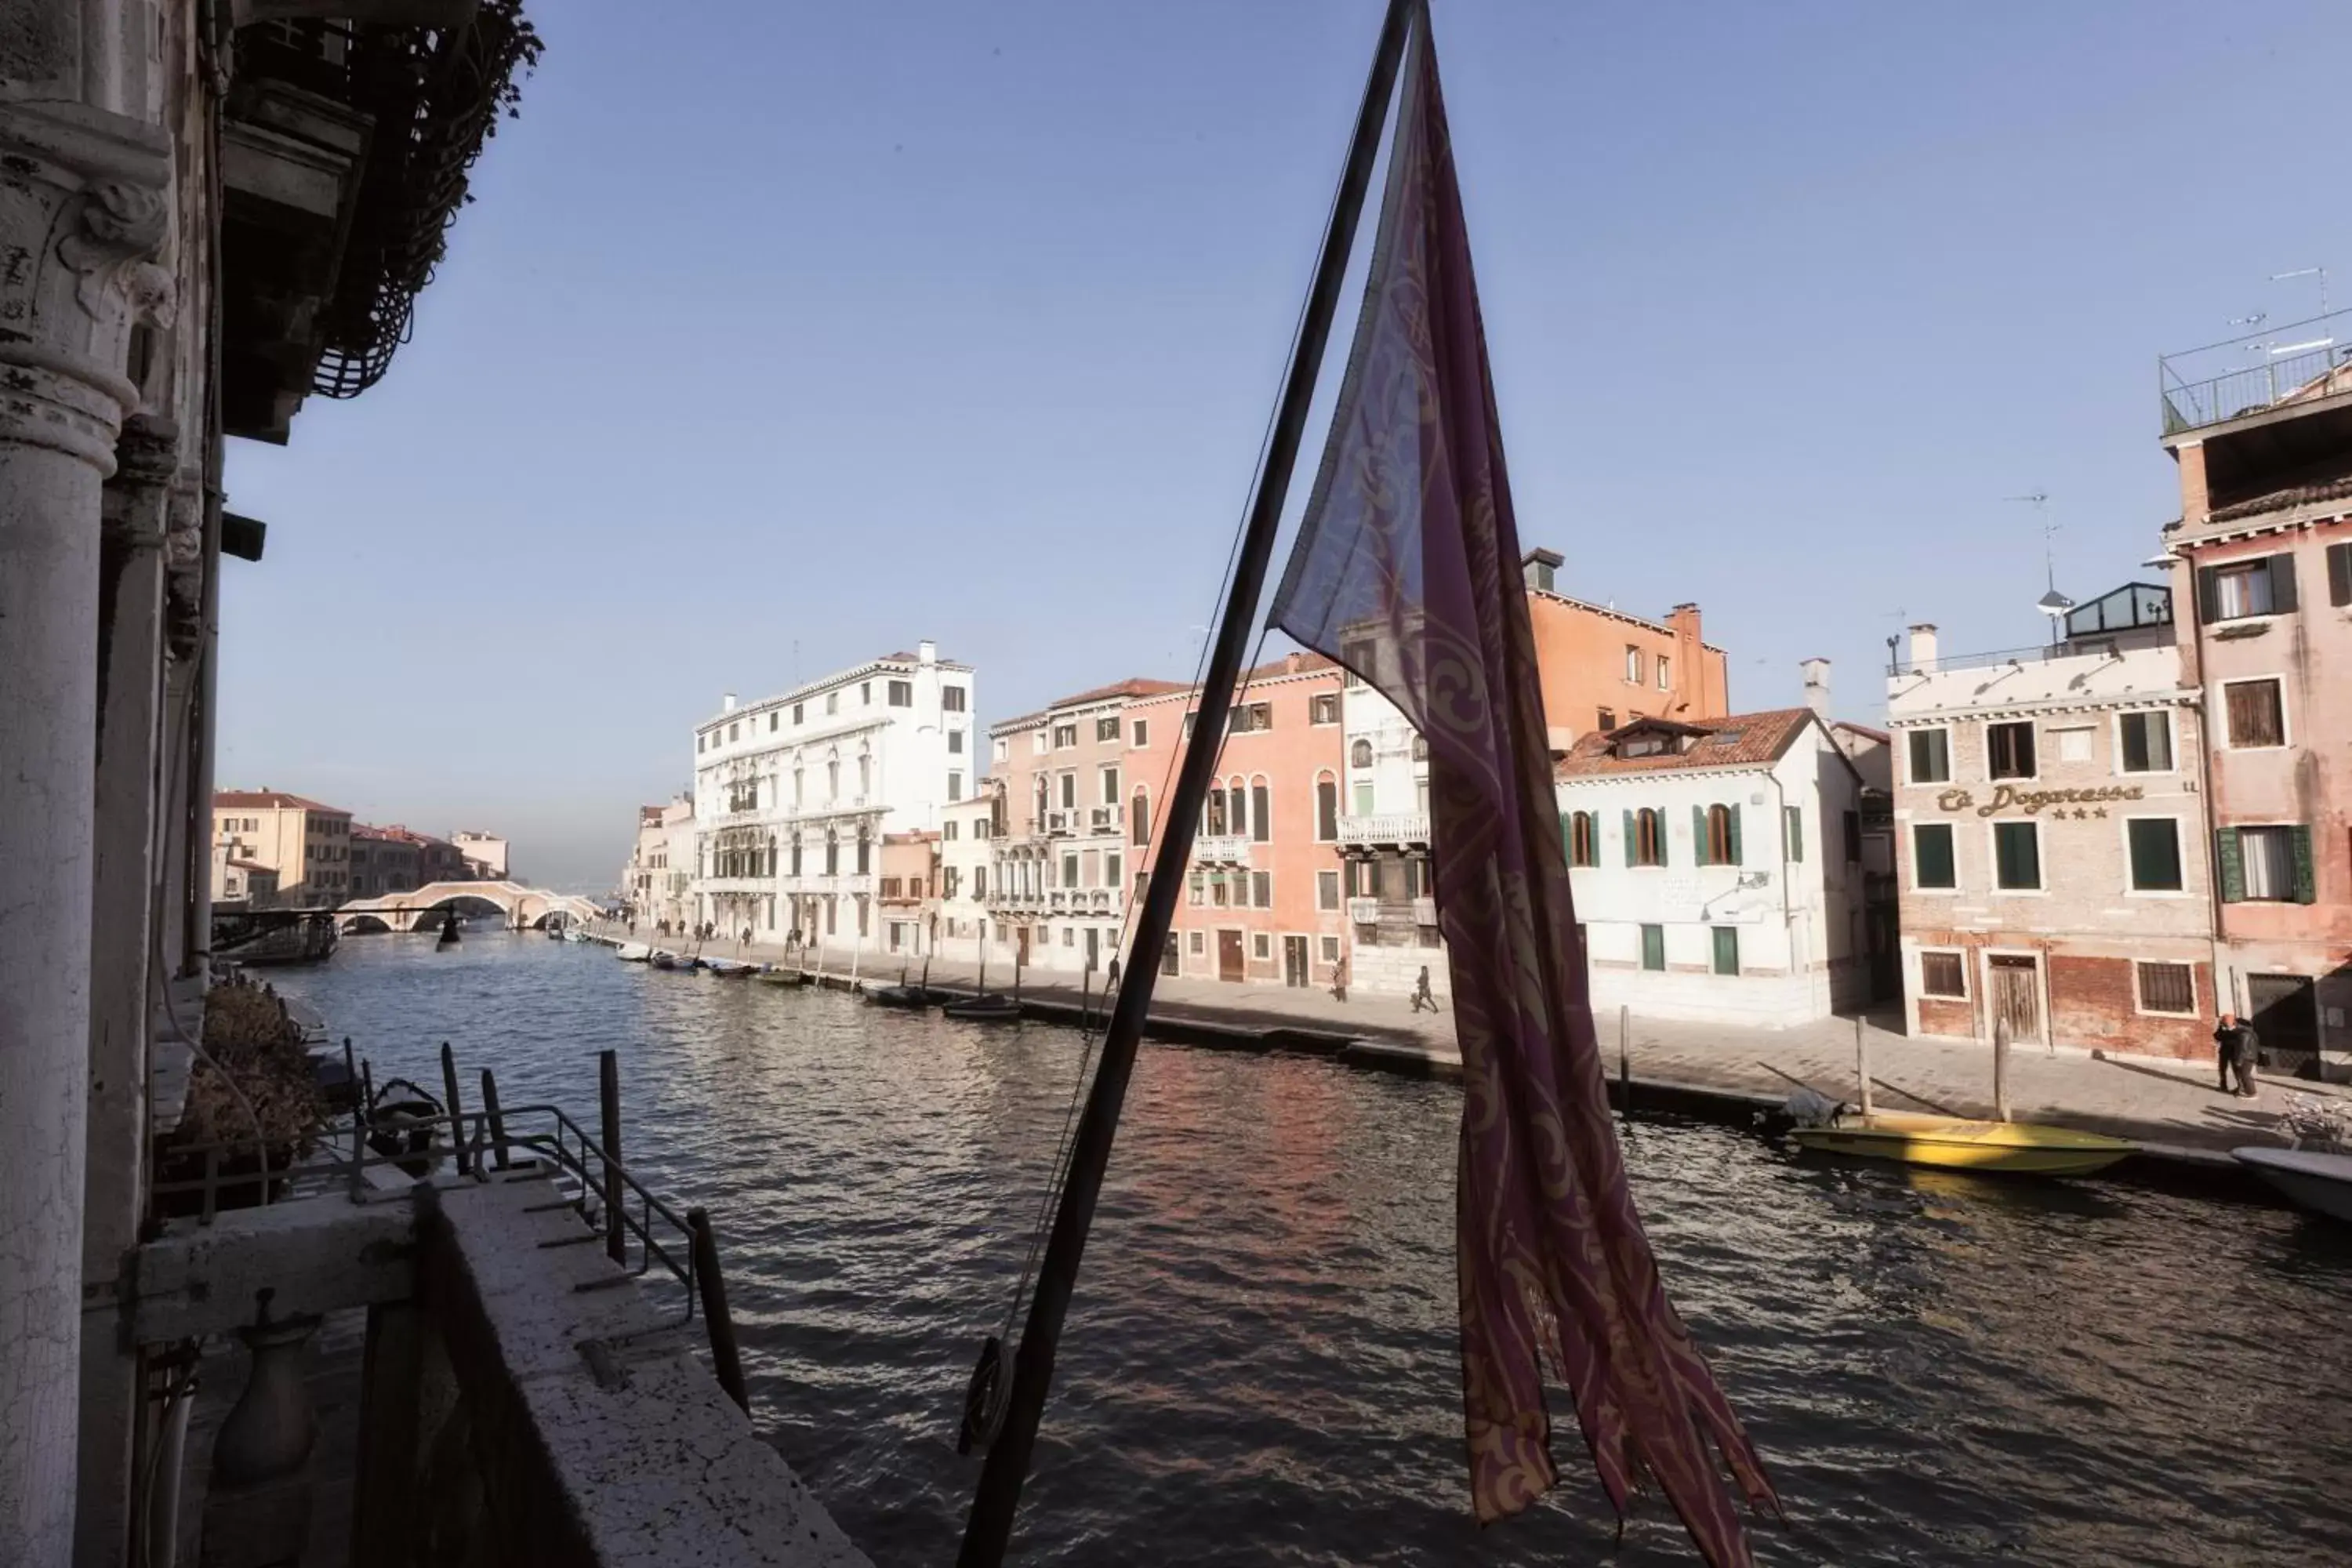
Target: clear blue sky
[{"x": 834, "y": 327}]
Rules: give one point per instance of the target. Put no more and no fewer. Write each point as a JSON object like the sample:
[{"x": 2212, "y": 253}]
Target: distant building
[
  {"x": 307, "y": 844},
  {"x": 2052, "y": 837},
  {"x": 485, "y": 855},
  {"x": 384, "y": 861},
  {"x": 908, "y": 892},
  {"x": 1060, "y": 856},
  {"x": 965, "y": 829},
  {"x": 437, "y": 860},
  {"x": 792, "y": 796},
  {"x": 1718, "y": 867},
  {"x": 1261, "y": 900},
  {"x": 2261, "y": 576},
  {"x": 246, "y": 884}
]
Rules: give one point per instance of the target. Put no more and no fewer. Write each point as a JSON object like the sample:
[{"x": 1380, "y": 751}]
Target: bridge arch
[{"x": 524, "y": 907}]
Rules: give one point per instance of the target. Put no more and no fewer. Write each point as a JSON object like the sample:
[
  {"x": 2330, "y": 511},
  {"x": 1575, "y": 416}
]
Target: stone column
[
  {"x": 82, "y": 208},
  {"x": 130, "y": 675}
]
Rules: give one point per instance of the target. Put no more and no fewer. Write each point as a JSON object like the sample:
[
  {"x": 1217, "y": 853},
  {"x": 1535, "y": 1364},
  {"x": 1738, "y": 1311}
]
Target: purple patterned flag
[{"x": 1406, "y": 571}]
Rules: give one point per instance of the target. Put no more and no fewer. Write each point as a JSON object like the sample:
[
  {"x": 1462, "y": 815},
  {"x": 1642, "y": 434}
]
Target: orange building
[
  {"x": 1262, "y": 899},
  {"x": 1602, "y": 667}
]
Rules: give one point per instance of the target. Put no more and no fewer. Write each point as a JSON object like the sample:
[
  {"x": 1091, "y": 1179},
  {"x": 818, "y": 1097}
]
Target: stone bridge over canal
[{"x": 427, "y": 906}]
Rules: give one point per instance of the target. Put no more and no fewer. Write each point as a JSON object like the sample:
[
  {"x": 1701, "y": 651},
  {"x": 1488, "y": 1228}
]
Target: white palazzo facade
[{"x": 793, "y": 794}]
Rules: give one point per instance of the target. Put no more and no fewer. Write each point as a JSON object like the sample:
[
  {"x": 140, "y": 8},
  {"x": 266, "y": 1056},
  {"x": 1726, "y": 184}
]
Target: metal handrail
[
  {"x": 2192, "y": 401},
  {"x": 2073, "y": 648}
]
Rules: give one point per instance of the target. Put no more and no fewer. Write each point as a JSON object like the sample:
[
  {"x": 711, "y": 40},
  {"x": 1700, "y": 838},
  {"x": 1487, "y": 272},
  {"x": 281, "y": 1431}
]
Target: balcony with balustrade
[
  {"x": 1402, "y": 829},
  {"x": 1221, "y": 849}
]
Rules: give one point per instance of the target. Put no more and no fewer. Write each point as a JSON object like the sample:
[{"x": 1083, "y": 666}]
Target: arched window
[
  {"x": 796, "y": 863},
  {"x": 1237, "y": 808},
  {"x": 865, "y": 851},
  {"x": 1044, "y": 796},
  {"x": 832, "y": 779},
  {"x": 1139, "y": 819},
  {"x": 1581, "y": 833},
  {"x": 1213, "y": 821},
  {"x": 1722, "y": 836},
  {"x": 1361, "y": 754},
  {"x": 1327, "y": 809},
  {"x": 1646, "y": 846},
  {"x": 769, "y": 869},
  {"x": 832, "y": 852},
  {"x": 1261, "y": 812},
  {"x": 1420, "y": 748}
]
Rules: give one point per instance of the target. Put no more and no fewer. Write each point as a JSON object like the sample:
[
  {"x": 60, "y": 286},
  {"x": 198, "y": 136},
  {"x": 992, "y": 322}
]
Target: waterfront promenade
[{"x": 2155, "y": 1102}]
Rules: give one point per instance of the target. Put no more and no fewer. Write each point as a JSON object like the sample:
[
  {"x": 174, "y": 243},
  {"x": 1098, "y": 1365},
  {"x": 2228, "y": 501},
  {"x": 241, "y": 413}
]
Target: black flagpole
[{"x": 990, "y": 1529}]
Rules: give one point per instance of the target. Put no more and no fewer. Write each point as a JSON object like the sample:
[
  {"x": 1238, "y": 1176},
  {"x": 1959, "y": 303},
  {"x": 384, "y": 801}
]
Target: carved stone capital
[
  {"x": 84, "y": 209},
  {"x": 138, "y": 498}
]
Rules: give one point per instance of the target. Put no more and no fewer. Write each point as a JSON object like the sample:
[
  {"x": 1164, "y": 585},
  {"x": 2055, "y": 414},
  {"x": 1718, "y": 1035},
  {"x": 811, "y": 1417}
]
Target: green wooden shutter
[
  {"x": 1702, "y": 852},
  {"x": 2339, "y": 574},
  {"x": 1567, "y": 845},
  {"x": 1630, "y": 845},
  {"x": 1661, "y": 837},
  {"x": 2306, "y": 883},
  {"x": 2283, "y": 581},
  {"x": 2232, "y": 860},
  {"x": 2209, "y": 594},
  {"x": 1734, "y": 833}
]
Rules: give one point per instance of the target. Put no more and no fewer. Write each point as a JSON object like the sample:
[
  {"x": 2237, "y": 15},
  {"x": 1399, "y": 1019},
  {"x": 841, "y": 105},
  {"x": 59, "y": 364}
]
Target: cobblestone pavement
[{"x": 2153, "y": 1101}]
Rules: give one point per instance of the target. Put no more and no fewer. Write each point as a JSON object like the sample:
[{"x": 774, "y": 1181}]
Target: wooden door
[
  {"x": 1229, "y": 955},
  {"x": 1293, "y": 961},
  {"x": 1170, "y": 964},
  {"x": 2017, "y": 997},
  {"x": 2284, "y": 1011}
]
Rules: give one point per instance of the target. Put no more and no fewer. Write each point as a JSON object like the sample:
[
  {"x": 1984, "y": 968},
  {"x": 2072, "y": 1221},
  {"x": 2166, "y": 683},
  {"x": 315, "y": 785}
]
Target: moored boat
[
  {"x": 783, "y": 977},
  {"x": 2311, "y": 1180},
  {"x": 634, "y": 951},
  {"x": 993, "y": 1008},
  {"x": 1954, "y": 1142},
  {"x": 670, "y": 961}
]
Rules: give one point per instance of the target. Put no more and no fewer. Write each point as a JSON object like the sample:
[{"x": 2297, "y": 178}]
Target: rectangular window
[
  {"x": 1931, "y": 856},
  {"x": 2144, "y": 741},
  {"x": 1327, "y": 889},
  {"x": 901, "y": 694},
  {"x": 1107, "y": 729},
  {"x": 2016, "y": 856},
  {"x": 1582, "y": 831},
  {"x": 2155, "y": 846},
  {"x": 1664, "y": 683},
  {"x": 1931, "y": 756},
  {"x": 1064, "y": 736},
  {"x": 1633, "y": 664},
  {"x": 1200, "y": 943},
  {"x": 2009, "y": 750},
  {"x": 1363, "y": 797},
  {"x": 2266, "y": 865},
  {"x": 1726, "y": 950},
  {"x": 1108, "y": 779},
  {"x": 2167, "y": 988},
  {"x": 2257, "y": 714},
  {"x": 2262, "y": 586},
  {"x": 800, "y": 711},
  {"x": 952, "y": 699},
  {"x": 1196, "y": 890},
  {"x": 1262, "y": 889},
  {"x": 1218, "y": 892},
  {"x": 1069, "y": 791},
  {"x": 1143, "y": 732},
  {"x": 1793, "y": 832},
  {"x": 1942, "y": 974},
  {"x": 1112, "y": 868},
  {"x": 832, "y": 703},
  {"x": 774, "y": 717},
  {"x": 1654, "y": 948},
  {"x": 1323, "y": 709},
  {"x": 2074, "y": 744},
  {"x": 955, "y": 742},
  {"x": 1606, "y": 718},
  {"x": 1330, "y": 949},
  {"x": 1261, "y": 945}
]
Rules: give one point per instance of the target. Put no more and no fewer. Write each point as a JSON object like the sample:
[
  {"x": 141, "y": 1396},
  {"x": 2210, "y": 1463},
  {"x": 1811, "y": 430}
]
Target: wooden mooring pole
[
  {"x": 1624, "y": 1062},
  {"x": 725, "y": 1359},
  {"x": 608, "y": 1093},
  {"x": 1862, "y": 1060},
  {"x": 497, "y": 1122},
  {"x": 2001, "y": 1069}
]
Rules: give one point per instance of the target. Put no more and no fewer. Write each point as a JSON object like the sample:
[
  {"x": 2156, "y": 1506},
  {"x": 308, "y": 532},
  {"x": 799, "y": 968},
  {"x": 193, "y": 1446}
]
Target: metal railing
[
  {"x": 2075, "y": 648},
  {"x": 2197, "y": 392},
  {"x": 472, "y": 1144}
]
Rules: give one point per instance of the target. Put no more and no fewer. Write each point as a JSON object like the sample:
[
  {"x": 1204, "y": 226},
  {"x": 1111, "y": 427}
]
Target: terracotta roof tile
[
  {"x": 271, "y": 800},
  {"x": 2337, "y": 489},
  {"x": 1739, "y": 741}
]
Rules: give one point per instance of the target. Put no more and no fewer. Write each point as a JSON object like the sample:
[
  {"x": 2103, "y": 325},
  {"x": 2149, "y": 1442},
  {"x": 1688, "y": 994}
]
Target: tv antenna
[
  {"x": 2318, "y": 272},
  {"x": 2052, "y": 602}
]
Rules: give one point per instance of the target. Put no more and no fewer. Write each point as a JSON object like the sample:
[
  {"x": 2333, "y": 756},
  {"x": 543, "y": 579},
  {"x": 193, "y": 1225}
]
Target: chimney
[
  {"x": 1923, "y": 649},
  {"x": 1291, "y": 661},
  {"x": 1817, "y": 686},
  {"x": 727, "y": 703},
  {"x": 927, "y": 652},
  {"x": 1537, "y": 567}
]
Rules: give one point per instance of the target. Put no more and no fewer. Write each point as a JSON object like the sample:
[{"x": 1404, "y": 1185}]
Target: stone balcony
[
  {"x": 1221, "y": 849},
  {"x": 1401, "y": 828}
]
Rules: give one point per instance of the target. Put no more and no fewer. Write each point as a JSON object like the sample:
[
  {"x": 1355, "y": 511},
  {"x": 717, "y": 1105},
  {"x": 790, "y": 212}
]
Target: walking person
[
  {"x": 1339, "y": 979},
  {"x": 1110, "y": 975},
  {"x": 1422, "y": 1000},
  {"x": 2235, "y": 1044}
]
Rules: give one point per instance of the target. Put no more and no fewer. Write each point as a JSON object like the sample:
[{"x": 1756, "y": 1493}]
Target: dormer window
[{"x": 1649, "y": 744}]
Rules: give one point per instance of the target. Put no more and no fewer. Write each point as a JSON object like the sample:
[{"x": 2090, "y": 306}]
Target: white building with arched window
[{"x": 792, "y": 796}]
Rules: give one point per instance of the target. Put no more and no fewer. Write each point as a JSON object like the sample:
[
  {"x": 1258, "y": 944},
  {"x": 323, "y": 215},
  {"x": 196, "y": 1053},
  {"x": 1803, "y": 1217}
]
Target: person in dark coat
[
  {"x": 1421, "y": 997},
  {"x": 2235, "y": 1043}
]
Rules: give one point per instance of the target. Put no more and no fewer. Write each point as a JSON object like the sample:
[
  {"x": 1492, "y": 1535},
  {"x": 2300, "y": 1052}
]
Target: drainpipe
[{"x": 2194, "y": 649}]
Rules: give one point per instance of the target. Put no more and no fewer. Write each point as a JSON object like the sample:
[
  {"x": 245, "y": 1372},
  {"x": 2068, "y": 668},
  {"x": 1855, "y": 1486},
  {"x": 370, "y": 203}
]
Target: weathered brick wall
[
  {"x": 1945, "y": 1015},
  {"x": 2092, "y": 1005}
]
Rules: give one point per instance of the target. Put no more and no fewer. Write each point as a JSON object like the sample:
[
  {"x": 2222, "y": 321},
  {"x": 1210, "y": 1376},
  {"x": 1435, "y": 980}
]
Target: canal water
[{"x": 1260, "y": 1364}]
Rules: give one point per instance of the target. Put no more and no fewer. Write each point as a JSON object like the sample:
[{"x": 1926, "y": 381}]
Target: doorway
[
  {"x": 1094, "y": 949},
  {"x": 1293, "y": 961},
  {"x": 1169, "y": 961},
  {"x": 2017, "y": 996},
  {"x": 1021, "y": 947},
  {"x": 1229, "y": 955},
  {"x": 2284, "y": 1010}
]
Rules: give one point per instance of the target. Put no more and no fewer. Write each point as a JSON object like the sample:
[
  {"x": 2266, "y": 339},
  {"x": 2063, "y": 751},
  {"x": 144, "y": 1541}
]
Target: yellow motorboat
[{"x": 2021, "y": 1148}]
